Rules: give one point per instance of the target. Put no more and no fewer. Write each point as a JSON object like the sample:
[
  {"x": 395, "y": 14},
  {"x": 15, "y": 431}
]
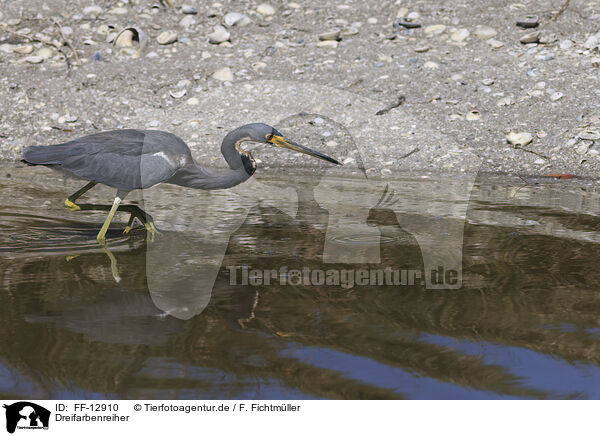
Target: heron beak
[{"x": 280, "y": 141}]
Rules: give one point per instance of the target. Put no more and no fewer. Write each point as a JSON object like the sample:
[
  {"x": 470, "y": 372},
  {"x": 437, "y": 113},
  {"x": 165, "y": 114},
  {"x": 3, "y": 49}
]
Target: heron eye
[{"x": 269, "y": 136}]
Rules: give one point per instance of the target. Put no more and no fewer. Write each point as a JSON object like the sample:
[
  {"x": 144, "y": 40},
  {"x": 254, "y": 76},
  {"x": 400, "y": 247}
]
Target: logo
[{"x": 26, "y": 415}]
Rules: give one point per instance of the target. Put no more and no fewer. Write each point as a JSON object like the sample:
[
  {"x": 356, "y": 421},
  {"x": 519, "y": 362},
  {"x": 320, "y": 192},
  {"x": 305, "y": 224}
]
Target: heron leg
[
  {"x": 102, "y": 234},
  {"x": 70, "y": 201}
]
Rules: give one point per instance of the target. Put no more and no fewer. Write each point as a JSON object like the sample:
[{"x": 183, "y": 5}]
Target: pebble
[
  {"x": 566, "y": 44},
  {"x": 34, "y": 59},
  {"x": 435, "y": 29},
  {"x": 582, "y": 149},
  {"x": 530, "y": 38},
  {"x": 460, "y": 35},
  {"x": 548, "y": 38},
  {"x": 236, "y": 19},
  {"x": 188, "y": 10},
  {"x": 350, "y": 31},
  {"x": 92, "y": 10},
  {"x": 505, "y": 101},
  {"x": 372, "y": 20},
  {"x": 193, "y": 101},
  {"x": 168, "y": 37},
  {"x": 528, "y": 21},
  {"x": 265, "y": 9},
  {"x": 219, "y": 35},
  {"x": 519, "y": 138},
  {"x": 24, "y": 49},
  {"x": 494, "y": 43},
  {"x": 125, "y": 39},
  {"x": 327, "y": 44},
  {"x": 330, "y": 36},
  {"x": 67, "y": 119},
  {"x": 540, "y": 161},
  {"x": 178, "y": 94},
  {"x": 485, "y": 32},
  {"x": 556, "y": 96},
  {"x": 223, "y": 74},
  {"x": 45, "y": 53},
  {"x": 118, "y": 11},
  {"x": 591, "y": 42},
  {"x": 294, "y": 5},
  {"x": 590, "y": 135},
  {"x": 430, "y": 65},
  {"x": 473, "y": 115},
  {"x": 488, "y": 82},
  {"x": 187, "y": 21},
  {"x": 422, "y": 49},
  {"x": 407, "y": 23}
]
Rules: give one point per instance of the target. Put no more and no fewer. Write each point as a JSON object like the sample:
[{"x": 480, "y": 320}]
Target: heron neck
[
  {"x": 199, "y": 177},
  {"x": 228, "y": 147}
]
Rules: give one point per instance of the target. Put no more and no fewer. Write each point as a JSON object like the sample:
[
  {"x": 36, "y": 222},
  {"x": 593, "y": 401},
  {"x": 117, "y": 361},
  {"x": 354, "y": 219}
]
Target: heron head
[{"x": 267, "y": 134}]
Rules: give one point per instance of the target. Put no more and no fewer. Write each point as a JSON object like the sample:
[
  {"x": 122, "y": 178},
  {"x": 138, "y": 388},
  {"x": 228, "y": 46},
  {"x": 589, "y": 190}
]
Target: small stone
[
  {"x": 372, "y": 20},
  {"x": 519, "y": 138},
  {"x": 125, "y": 39},
  {"x": 67, "y": 119},
  {"x": 331, "y": 143},
  {"x": 45, "y": 53},
  {"x": 566, "y": 44},
  {"x": 350, "y": 31},
  {"x": 178, "y": 94},
  {"x": 24, "y": 49},
  {"x": 265, "y": 9},
  {"x": 494, "y": 43},
  {"x": 193, "y": 101},
  {"x": 294, "y": 5},
  {"x": 590, "y": 135},
  {"x": 421, "y": 49},
  {"x": 188, "y": 10},
  {"x": 556, "y": 96},
  {"x": 407, "y": 23},
  {"x": 327, "y": 44},
  {"x": 118, "y": 11},
  {"x": 460, "y": 35},
  {"x": 539, "y": 161},
  {"x": 592, "y": 42},
  {"x": 528, "y": 21},
  {"x": 488, "y": 82},
  {"x": 168, "y": 37},
  {"x": 435, "y": 29},
  {"x": 187, "y": 21},
  {"x": 92, "y": 10},
  {"x": 485, "y": 32},
  {"x": 548, "y": 38},
  {"x": 430, "y": 65},
  {"x": 223, "y": 74},
  {"x": 530, "y": 38},
  {"x": 402, "y": 13},
  {"x": 330, "y": 36},
  {"x": 34, "y": 59},
  {"x": 582, "y": 149},
  {"x": 219, "y": 35},
  {"x": 14, "y": 21},
  {"x": 236, "y": 19},
  {"x": 505, "y": 101},
  {"x": 473, "y": 115}
]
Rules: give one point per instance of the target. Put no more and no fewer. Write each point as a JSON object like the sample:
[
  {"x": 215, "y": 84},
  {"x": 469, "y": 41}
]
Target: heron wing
[{"x": 124, "y": 159}]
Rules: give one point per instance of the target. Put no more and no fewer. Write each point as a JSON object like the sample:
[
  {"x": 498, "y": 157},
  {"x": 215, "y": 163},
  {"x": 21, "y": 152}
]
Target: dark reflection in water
[{"x": 524, "y": 324}]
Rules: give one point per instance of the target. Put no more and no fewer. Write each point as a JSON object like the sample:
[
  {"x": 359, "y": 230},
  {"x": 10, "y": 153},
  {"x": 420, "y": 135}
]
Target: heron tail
[{"x": 42, "y": 155}]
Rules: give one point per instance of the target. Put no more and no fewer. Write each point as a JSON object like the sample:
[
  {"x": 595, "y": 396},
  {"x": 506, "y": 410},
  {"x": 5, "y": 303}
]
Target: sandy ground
[{"x": 464, "y": 89}]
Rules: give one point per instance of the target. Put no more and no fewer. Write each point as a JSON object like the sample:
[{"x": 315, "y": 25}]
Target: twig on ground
[
  {"x": 399, "y": 100},
  {"x": 67, "y": 41},
  {"x": 561, "y": 10}
]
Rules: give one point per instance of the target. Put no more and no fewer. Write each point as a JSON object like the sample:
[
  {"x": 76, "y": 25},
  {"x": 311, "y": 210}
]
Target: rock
[
  {"x": 435, "y": 29},
  {"x": 590, "y": 135},
  {"x": 34, "y": 59},
  {"x": 460, "y": 35},
  {"x": 125, "y": 39},
  {"x": 223, "y": 74},
  {"x": 556, "y": 96},
  {"x": 188, "y": 10},
  {"x": 92, "y": 10},
  {"x": 566, "y": 44},
  {"x": 430, "y": 65},
  {"x": 333, "y": 35},
  {"x": 582, "y": 149},
  {"x": 591, "y": 42},
  {"x": 548, "y": 38},
  {"x": 494, "y": 43},
  {"x": 24, "y": 49},
  {"x": 294, "y": 5},
  {"x": 236, "y": 19},
  {"x": 265, "y": 9},
  {"x": 118, "y": 11},
  {"x": 219, "y": 35},
  {"x": 505, "y": 101},
  {"x": 327, "y": 44},
  {"x": 45, "y": 53},
  {"x": 350, "y": 31},
  {"x": 485, "y": 32},
  {"x": 67, "y": 119},
  {"x": 488, "y": 82},
  {"x": 540, "y": 161},
  {"x": 193, "y": 101},
  {"x": 519, "y": 138},
  {"x": 528, "y": 21},
  {"x": 177, "y": 94},
  {"x": 421, "y": 49},
  {"x": 473, "y": 115},
  {"x": 530, "y": 38},
  {"x": 407, "y": 23},
  {"x": 168, "y": 37},
  {"x": 187, "y": 21}
]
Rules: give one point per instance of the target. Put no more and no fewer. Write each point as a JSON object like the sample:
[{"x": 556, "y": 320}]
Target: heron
[{"x": 130, "y": 159}]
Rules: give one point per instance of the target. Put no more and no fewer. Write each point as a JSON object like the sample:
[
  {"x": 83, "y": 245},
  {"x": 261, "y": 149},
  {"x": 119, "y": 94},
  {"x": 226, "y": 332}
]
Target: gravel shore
[{"x": 398, "y": 85}]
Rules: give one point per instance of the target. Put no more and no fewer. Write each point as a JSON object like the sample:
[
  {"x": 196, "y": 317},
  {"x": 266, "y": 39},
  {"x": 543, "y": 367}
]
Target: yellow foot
[
  {"x": 72, "y": 206},
  {"x": 127, "y": 230},
  {"x": 70, "y": 258},
  {"x": 151, "y": 230},
  {"x": 101, "y": 240}
]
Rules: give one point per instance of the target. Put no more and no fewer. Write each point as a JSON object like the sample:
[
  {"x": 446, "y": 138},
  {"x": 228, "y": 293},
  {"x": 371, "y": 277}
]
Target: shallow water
[{"x": 517, "y": 318}]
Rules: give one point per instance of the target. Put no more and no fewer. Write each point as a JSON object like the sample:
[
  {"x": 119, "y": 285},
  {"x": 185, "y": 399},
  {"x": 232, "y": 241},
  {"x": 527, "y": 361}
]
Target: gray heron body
[{"x": 138, "y": 159}]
